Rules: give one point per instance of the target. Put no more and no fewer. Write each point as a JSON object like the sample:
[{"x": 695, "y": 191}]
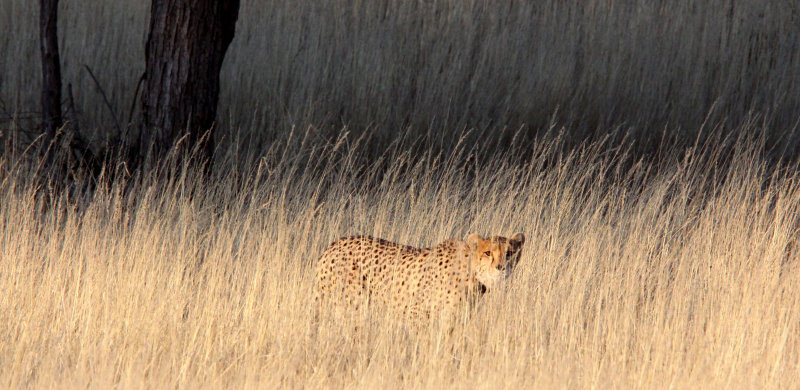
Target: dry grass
[
  {"x": 679, "y": 275},
  {"x": 676, "y": 272}
]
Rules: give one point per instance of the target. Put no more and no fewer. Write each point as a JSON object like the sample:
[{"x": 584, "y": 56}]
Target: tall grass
[
  {"x": 387, "y": 66},
  {"x": 674, "y": 275},
  {"x": 412, "y": 121}
]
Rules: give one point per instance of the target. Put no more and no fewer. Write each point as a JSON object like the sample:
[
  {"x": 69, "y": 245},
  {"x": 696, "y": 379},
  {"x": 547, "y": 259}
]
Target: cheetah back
[{"x": 406, "y": 279}]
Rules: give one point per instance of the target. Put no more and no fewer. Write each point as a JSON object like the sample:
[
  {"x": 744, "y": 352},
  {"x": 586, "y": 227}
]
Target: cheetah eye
[{"x": 488, "y": 253}]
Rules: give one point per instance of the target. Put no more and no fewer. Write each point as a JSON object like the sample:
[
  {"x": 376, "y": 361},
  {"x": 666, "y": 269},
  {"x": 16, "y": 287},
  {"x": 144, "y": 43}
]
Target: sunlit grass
[
  {"x": 679, "y": 275},
  {"x": 418, "y": 121}
]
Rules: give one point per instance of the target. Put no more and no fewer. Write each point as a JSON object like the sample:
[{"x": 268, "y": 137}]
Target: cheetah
[{"x": 413, "y": 282}]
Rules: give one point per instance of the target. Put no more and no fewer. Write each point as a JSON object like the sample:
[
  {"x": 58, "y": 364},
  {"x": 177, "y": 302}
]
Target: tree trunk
[
  {"x": 184, "y": 52},
  {"x": 51, "y": 70}
]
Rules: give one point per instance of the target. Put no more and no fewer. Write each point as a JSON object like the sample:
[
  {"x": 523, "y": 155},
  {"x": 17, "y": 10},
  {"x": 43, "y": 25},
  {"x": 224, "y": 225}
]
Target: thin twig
[
  {"x": 71, "y": 108},
  {"x": 3, "y": 107},
  {"x": 105, "y": 98},
  {"x": 133, "y": 101}
]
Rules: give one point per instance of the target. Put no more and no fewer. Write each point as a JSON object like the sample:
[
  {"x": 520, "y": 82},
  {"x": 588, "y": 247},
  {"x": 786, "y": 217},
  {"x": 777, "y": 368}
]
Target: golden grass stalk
[{"x": 679, "y": 274}]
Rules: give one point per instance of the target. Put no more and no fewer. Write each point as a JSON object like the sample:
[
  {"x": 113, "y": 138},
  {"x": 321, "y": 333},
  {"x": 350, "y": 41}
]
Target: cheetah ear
[
  {"x": 517, "y": 240},
  {"x": 473, "y": 240}
]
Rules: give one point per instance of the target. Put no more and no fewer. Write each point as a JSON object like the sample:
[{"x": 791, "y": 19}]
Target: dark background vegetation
[{"x": 641, "y": 74}]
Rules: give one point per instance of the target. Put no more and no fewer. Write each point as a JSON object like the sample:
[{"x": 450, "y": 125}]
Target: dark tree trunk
[
  {"x": 184, "y": 52},
  {"x": 51, "y": 70}
]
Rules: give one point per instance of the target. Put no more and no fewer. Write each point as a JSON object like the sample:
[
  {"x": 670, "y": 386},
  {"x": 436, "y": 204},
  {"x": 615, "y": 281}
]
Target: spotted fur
[{"x": 413, "y": 281}]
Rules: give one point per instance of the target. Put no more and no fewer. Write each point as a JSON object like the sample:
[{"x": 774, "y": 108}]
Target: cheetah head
[{"x": 494, "y": 258}]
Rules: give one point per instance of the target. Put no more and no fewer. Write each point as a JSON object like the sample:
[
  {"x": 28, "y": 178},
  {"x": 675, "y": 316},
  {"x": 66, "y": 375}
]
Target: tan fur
[{"x": 413, "y": 281}]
